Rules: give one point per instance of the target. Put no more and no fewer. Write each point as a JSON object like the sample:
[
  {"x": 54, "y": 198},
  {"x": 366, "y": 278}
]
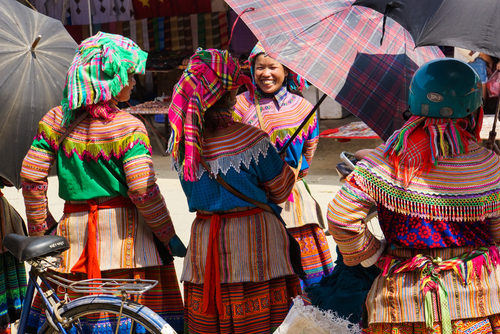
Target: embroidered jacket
[
  {"x": 97, "y": 159},
  {"x": 282, "y": 115},
  {"x": 455, "y": 204}
]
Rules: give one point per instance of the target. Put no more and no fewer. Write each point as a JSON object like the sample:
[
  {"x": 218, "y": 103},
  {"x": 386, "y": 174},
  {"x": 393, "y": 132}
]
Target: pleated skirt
[
  {"x": 314, "y": 253},
  {"x": 248, "y": 307}
]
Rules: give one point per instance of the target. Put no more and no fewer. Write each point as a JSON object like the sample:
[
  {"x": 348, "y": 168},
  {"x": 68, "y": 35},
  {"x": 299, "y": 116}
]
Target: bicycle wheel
[{"x": 99, "y": 314}]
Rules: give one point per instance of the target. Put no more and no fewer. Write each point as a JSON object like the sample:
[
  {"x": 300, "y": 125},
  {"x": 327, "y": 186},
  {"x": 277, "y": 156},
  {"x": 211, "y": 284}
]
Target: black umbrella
[
  {"x": 35, "y": 53},
  {"x": 469, "y": 24}
]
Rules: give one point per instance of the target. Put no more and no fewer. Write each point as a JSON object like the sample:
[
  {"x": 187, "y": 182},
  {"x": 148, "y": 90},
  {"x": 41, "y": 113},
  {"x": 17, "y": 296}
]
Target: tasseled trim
[
  {"x": 224, "y": 163},
  {"x": 93, "y": 151},
  {"x": 471, "y": 208}
]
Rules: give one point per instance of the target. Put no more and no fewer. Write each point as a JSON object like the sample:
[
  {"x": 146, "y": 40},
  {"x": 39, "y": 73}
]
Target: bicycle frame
[{"x": 30, "y": 294}]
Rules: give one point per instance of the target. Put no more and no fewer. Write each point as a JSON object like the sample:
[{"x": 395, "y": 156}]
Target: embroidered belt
[{"x": 431, "y": 280}]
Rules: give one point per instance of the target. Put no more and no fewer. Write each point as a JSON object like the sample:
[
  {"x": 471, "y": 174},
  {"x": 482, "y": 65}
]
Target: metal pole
[{"x": 90, "y": 19}]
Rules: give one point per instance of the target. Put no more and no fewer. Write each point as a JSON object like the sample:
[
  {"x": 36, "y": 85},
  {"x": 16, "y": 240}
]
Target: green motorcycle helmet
[{"x": 445, "y": 88}]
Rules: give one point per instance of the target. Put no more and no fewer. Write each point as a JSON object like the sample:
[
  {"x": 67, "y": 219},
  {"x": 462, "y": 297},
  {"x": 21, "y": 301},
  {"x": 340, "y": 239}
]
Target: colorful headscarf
[
  {"x": 98, "y": 72},
  {"x": 423, "y": 141},
  {"x": 209, "y": 75},
  {"x": 294, "y": 81}
]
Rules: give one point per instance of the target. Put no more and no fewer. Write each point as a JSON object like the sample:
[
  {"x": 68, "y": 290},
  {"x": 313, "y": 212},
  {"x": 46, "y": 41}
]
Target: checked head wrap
[
  {"x": 423, "y": 141},
  {"x": 208, "y": 76},
  {"x": 98, "y": 72},
  {"x": 293, "y": 80}
]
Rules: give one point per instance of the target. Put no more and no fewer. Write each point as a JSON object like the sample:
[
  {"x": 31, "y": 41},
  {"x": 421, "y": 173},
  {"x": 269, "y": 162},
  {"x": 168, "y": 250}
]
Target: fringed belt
[
  {"x": 88, "y": 262},
  {"x": 212, "y": 284},
  {"x": 430, "y": 269}
]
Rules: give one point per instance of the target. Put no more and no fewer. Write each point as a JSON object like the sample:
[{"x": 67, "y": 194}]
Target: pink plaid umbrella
[{"x": 336, "y": 47}]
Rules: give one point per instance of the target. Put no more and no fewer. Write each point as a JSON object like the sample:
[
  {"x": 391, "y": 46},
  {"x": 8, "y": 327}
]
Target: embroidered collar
[{"x": 280, "y": 95}]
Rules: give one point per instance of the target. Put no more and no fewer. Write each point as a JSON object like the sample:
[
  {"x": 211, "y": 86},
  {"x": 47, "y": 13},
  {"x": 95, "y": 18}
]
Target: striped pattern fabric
[
  {"x": 397, "y": 298},
  {"x": 336, "y": 47},
  {"x": 209, "y": 75},
  {"x": 249, "y": 307},
  {"x": 300, "y": 209},
  {"x": 255, "y": 249},
  {"x": 165, "y": 299},
  {"x": 13, "y": 280},
  {"x": 183, "y": 33},
  {"x": 99, "y": 71},
  {"x": 485, "y": 325},
  {"x": 314, "y": 253},
  {"x": 128, "y": 243},
  {"x": 281, "y": 122}
]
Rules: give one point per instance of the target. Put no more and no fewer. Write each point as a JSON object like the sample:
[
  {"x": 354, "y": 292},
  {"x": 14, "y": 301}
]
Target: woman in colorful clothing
[
  {"x": 115, "y": 217},
  {"x": 238, "y": 275},
  {"x": 13, "y": 281},
  {"x": 278, "y": 108},
  {"x": 438, "y": 198}
]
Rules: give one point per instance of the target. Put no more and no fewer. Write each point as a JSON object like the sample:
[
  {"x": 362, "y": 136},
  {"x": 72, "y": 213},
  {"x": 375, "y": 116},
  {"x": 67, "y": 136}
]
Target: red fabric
[
  {"x": 212, "y": 285},
  {"x": 88, "y": 262}
]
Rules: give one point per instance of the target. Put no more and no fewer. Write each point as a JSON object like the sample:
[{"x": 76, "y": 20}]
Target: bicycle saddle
[{"x": 28, "y": 248}]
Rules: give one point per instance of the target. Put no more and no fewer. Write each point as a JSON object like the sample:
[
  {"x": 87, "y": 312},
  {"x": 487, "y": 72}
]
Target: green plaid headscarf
[
  {"x": 209, "y": 75},
  {"x": 99, "y": 71}
]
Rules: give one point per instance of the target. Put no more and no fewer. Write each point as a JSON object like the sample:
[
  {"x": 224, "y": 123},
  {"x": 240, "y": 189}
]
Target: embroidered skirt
[
  {"x": 165, "y": 299},
  {"x": 487, "y": 325},
  {"x": 314, "y": 252},
  {"x": 248, "y": 307}
]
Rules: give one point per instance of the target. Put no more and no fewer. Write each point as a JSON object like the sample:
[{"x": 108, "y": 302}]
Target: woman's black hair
[{"x": 212, "y": 120}]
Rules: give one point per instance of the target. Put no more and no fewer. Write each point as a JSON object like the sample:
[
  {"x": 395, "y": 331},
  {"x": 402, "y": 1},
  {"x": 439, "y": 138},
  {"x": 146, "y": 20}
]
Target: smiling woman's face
[
  {"x": 124, "y": 94},
  {"x": 269, "y": 74}
]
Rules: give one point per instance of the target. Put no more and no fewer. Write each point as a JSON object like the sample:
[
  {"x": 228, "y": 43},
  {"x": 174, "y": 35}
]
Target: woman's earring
[{"x": 406, "y": 114}]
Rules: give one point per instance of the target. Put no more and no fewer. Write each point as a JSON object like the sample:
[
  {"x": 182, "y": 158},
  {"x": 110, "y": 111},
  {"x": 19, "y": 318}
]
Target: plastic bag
[
  {"x": 308, "y": 319},
  {"x": 493, "y": 84}
]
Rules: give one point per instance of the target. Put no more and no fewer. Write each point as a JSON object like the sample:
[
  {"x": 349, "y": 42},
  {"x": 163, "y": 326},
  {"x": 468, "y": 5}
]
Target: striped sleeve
[
  {"x": 145, "y": 193},
  {"x": 345, "y": 222},
  {"x": 34, "y": 172},
  {"x": 310, "y": 146}
]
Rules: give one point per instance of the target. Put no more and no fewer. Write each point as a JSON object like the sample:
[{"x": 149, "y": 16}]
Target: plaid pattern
[
  {"x": 337, "y": 48},
  {"x": 209, "y": 75},
  {"x": 99, "y": 71}
]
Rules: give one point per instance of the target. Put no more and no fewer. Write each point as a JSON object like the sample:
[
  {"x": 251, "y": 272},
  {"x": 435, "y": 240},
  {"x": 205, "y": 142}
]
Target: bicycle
[{"x": 65, "y": 316}]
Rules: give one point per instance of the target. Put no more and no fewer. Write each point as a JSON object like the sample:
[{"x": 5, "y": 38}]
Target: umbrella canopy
[
  {"x": 336, "y": 47},
  {"x": 31, "y": 78},
  {"x": 467, "y": 24}
]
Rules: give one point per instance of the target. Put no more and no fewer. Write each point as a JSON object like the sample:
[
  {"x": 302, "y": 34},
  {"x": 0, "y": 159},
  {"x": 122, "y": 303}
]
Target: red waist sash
[
  {"x": 88, "y": 262},
  {"x": 212, "y": 285}
]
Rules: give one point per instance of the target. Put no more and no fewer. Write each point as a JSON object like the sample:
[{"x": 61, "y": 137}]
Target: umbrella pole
[
  {"x": 493, "y": 133},
  {"x": 296, "y": 133},
  {"x": 90, "y": 19}
]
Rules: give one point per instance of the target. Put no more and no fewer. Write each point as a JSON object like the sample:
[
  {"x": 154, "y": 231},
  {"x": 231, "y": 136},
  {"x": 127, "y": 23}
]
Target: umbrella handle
[
  {"x": 35, "y": 43},
  {"x": 493, "y": 133}
]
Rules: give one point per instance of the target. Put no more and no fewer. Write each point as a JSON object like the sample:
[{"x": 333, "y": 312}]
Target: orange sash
[
  {"x": 89, "y": 262},
  {"x": 211, "y": 286}
]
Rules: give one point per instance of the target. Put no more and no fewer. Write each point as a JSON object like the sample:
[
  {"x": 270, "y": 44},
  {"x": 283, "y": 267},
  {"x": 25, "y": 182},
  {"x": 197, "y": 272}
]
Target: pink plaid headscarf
[{"x": 209, "y": 75}]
